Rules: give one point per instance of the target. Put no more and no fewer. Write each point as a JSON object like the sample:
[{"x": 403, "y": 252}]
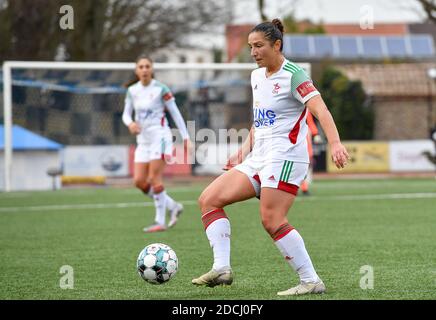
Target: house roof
[
  {"x": 405, "y": 79},
  {"x": 23, "y": 139},
  {"x": 236, "y": 39},
  {"x": 377, "y": 29}
]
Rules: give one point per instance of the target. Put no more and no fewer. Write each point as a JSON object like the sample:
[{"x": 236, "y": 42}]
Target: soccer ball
[{"x": 157, "y": 263}]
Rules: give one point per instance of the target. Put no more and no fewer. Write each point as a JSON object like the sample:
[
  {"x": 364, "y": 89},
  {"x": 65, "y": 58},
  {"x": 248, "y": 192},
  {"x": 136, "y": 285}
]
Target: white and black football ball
[{"x": 157, "y": 263}]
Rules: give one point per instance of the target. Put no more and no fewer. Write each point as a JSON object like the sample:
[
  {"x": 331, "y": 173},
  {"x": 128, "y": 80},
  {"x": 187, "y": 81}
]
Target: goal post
[{"x": 8, "y": 83}]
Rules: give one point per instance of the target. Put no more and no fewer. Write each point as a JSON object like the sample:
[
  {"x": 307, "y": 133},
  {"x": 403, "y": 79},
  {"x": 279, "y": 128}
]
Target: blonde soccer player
[
  {"x": 148, "y": 99},
  {"x": 272, "y": 161}
]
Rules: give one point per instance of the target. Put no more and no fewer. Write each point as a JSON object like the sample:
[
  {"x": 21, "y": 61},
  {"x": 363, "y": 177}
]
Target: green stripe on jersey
[{"x": 291, "y": 67}]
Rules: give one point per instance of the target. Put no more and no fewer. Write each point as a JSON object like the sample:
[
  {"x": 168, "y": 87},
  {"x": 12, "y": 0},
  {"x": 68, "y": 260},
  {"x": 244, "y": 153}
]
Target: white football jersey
[
  {"x": 149, "y": 104},
  {"x": 279, "y": 110}
]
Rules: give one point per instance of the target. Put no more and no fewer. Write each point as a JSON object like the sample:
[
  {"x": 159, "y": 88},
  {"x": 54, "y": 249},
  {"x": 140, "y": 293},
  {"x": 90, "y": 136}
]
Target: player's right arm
[
  {"x": 134, "y": 128},
  {"x": 304, "y": 91},
  {"x": 242, "y": 153},
  {"x": 339, "y": 153}
]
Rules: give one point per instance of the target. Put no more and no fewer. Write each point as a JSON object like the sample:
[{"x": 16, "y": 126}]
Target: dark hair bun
[{"x": 278, "y": 25}]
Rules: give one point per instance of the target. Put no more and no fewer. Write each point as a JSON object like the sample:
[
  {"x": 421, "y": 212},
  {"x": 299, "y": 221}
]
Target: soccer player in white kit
[
  {"x": 272, "y": 162},
  {"x": 148, "y": 99}
]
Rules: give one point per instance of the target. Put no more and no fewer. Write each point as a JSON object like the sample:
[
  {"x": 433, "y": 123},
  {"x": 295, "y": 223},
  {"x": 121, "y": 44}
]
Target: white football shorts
[
  {"x": 157, "y": 149},
  {"x": 284, "y": 175}
]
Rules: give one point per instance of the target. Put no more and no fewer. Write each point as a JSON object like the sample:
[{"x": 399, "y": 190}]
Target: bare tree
[
  {"x": 28, "y": 29},
  {"x": 261, "y": 4},
  {"x": 116, "y": 30},
  {"x": 282, "y": 8},
  {"x": 424, "y": 10},
  {"x": 120, "y": 30},
  {"x": 429, "y": 7}
]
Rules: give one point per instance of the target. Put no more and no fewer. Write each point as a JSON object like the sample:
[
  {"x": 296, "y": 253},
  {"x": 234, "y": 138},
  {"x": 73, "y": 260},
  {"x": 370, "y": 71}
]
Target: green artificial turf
[{"x": 389, "y": 225}]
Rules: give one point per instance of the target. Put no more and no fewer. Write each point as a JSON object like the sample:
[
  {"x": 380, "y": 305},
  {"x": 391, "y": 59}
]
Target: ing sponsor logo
[{"x": 263, "y": 117}]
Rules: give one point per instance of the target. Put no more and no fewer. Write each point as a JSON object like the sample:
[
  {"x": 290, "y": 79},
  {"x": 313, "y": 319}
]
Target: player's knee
[
  {"x": 268, "y": 220},
  {"x": 208, "y": 201},
  {"x": 142, "y": 185},
  {"x": 203, "y": 201},
  {"x": 155, "y": 180},
  {"x": 268, "y": 226}
]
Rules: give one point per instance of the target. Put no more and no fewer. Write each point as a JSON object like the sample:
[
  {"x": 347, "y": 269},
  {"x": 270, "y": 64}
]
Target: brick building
[{"x": 404, "y": 98}]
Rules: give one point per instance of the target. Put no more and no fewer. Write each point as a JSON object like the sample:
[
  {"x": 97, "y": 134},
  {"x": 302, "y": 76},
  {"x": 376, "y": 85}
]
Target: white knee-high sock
[
  {"x": 217, "y": 227},
  {"x": 291, "y": 245},
  {"x": 170, "y": 203},
  {"x": 160, "y": 205}
]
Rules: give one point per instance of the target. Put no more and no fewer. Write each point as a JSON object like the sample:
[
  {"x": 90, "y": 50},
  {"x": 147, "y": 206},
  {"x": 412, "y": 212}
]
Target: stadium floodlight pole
[{"x": 8, "y": 66}]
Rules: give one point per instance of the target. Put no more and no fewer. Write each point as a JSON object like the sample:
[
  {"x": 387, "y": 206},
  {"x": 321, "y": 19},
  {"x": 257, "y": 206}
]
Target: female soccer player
[
  {"x": 149, "y": 99},
  {"x": 276, "y": 161}
]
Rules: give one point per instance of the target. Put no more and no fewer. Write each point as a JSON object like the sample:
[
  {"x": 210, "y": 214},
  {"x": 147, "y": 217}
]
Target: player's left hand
[
  {"x": 233, "y": 160},
  {"x": 339, "y": 154}
]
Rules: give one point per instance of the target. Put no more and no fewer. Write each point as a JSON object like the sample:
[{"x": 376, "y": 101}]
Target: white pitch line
[
  {"x": 86, "y": 206},
  {"x": 392, "y": 196}
]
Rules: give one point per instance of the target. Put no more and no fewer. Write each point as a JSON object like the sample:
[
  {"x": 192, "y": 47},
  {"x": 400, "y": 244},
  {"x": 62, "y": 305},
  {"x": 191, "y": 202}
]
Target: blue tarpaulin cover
[{"x": 23, "y": 139}]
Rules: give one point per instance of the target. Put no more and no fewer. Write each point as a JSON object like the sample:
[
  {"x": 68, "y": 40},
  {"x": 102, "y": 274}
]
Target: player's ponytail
[
  {"x": 273, "y": 31},
  {"x": 278, "y": 24},
  {"x": 134, "y": 80}
]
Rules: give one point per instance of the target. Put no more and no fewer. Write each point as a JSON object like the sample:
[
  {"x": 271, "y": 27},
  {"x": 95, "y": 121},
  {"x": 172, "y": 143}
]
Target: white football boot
[
  {"x": 215, "y": 278},
  {"x": 304, "y": 288},
  {"x": 175, "y": 214}
]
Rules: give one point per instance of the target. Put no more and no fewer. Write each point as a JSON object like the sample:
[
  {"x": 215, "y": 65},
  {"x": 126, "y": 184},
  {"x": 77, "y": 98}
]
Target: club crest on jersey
[
  {"x": 144, "y": 114},
  {"x": 276, "y": 88},
  {"x": 263, "y": 117}
]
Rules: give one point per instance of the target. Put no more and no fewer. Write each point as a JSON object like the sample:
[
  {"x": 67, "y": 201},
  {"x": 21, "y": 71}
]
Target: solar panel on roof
[
  {"x": 323, "y": 46},
  {"x": 396, "y": 47},
  {"x": 348, "y": 47},
  {"x": 421, "y": 46},
  {"x": 372, "y": 47},
  {"x": 299, "y": 46},
  {"x": 354, "y": 47}
]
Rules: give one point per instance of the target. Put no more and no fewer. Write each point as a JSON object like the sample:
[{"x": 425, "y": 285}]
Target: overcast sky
[{"x": 330, "y": 11}]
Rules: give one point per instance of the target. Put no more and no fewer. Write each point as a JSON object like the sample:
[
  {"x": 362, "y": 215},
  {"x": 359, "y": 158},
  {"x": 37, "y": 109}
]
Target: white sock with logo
[
  {"x": 293, "y": 249},
  {"x": 218, "y": 232},
  {"x": 170, "y": 203},
  {"x": 160, "y": 205}
]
